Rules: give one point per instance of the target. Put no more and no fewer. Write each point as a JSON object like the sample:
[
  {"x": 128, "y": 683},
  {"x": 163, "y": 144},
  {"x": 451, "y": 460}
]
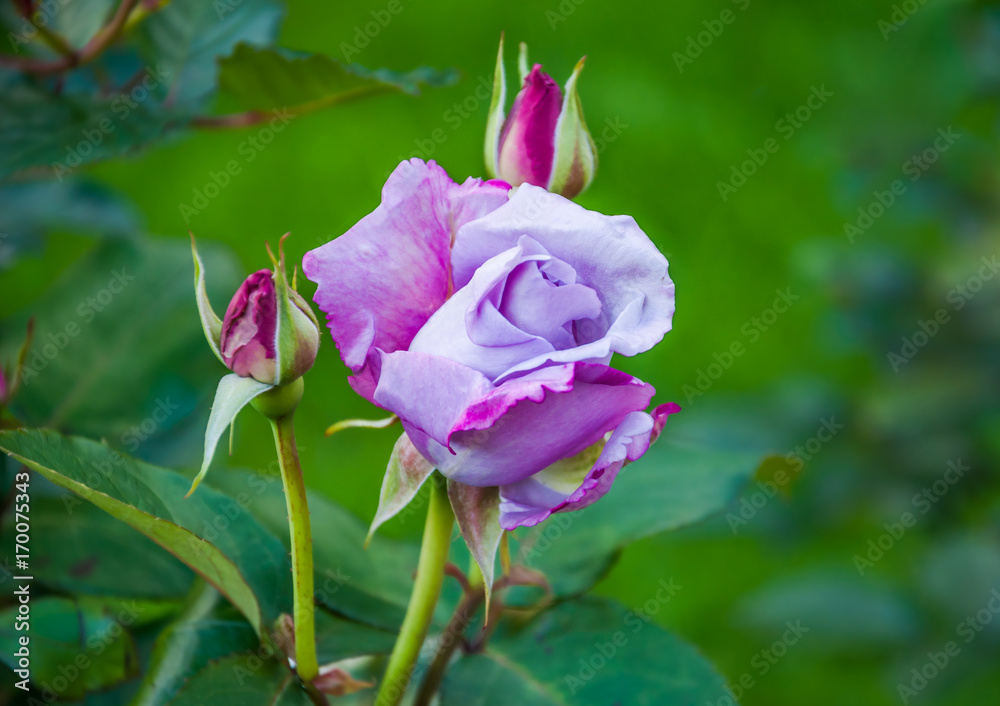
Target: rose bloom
[{"x": 485, "y": 318}]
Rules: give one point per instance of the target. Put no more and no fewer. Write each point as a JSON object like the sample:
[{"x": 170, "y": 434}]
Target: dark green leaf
[
  {"x": 77, "y": 548},
  {"x": 588, "y": 652},
  {"x": 118, "y": 350},
  {"x": 30, "y": 210},
  {"x": 371, "y": 585},
  {"x": 57, "y": 133},
  {"x": 338, "y": 638},
  {"x": 268, "y": 79},
  {"x": 245, "y": 680},
  {"x": 188, "y": 645},
  {"x": 79, "y": 20},
  {"x": 67, "y": 637},
  {"x": 187, "y": 37},
  {"x": 961, "y": 574},
  {"x": 210, "y": 532},
  {"x": 840, "y": 610}
]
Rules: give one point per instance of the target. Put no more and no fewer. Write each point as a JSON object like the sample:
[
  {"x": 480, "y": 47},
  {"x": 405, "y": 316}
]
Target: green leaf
[
  {"x": 184, "y": 649},
  {"x": 682, "y": 479},
  {"x": 190, "y": 643},
  {"x": 840, "y": 610},
  {"x": 119, "y": 352},
  {"x": 209, "y": 532},
  {"x": 77, "y": 548},
  {"x": 370, "y": 585},
  {"x": 338, "y": 638},
  {"x": 67, "y": 635},
  {"x": 187, "y": 37},
  {"x": 589, "y": 652},
  {"x": 29, "y": 211},
  {"x": 243, "y": 680},
  {"x": 78, "y": 21},
  {"x": 269, "y": 79},
  {"x": 59, "y": 132},
  {"x": 960, "y": 573}
]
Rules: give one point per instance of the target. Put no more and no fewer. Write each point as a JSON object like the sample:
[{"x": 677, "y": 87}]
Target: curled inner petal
[{"x": 248, "y": 329}]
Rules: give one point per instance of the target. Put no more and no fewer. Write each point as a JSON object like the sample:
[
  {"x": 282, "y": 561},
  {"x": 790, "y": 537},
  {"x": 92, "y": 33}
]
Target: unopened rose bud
[
  {"x": 269, "y": 338},
  {"x": 544, "y": 140},
  {"x": 269, "y": 332}
]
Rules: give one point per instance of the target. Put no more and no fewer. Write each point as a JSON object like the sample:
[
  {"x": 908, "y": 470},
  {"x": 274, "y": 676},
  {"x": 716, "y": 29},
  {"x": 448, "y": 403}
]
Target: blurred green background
[{"x": 669, "y": 131}]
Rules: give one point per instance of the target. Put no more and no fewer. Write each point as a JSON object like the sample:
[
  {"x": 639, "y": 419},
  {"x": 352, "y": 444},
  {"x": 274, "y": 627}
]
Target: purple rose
[{"x": 485, "y": 318}]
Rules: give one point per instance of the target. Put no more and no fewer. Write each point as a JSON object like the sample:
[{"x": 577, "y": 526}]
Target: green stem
[
  {"x": 451, "y": 638},
  {"x": 426, "y": 589},
  {"x": 302, "y": 560}
]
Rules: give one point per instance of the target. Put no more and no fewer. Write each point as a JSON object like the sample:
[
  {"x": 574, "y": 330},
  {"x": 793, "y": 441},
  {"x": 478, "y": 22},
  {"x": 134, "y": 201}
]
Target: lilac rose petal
[
  {"x": 380, "y": 282},
  {"x": 483, "y": 435},
  {"x": 555, "y": 489},
  {"x": 609, "y": 254}
]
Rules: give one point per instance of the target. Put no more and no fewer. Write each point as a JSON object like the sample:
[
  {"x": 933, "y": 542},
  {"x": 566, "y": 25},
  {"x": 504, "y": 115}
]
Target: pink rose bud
[
  {"x": 544, "y": 140},
  {"x": 247, "y": 343},
  {"x": 269, "y": 332}
]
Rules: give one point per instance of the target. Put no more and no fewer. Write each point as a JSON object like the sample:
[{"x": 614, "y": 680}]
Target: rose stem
[
  {"x": 302, "y": 559},
  {"x": 450, "y": 640},
  {"x": 426, "y": 589}
]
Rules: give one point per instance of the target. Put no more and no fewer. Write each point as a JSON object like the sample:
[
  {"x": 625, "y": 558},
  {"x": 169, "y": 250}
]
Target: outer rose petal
[
  {"x": 380, "y": 281},
  {"x": 530, "y": 501},
  {"x": 610, "y": 254},
  {"x": 483, "y": 435}
]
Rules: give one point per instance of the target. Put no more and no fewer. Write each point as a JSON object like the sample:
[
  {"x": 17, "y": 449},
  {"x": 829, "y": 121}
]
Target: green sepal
[
  {"x": 494, "y": 121},
  {"x": 522, "y": 64},
  {"x": 211, "y": 324},
  {"x": 404, "y": 476},
  {"x": 575, "y": 159},
  {"x": 478, "y": 513},
  {"x": 295, "y": 319}
]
